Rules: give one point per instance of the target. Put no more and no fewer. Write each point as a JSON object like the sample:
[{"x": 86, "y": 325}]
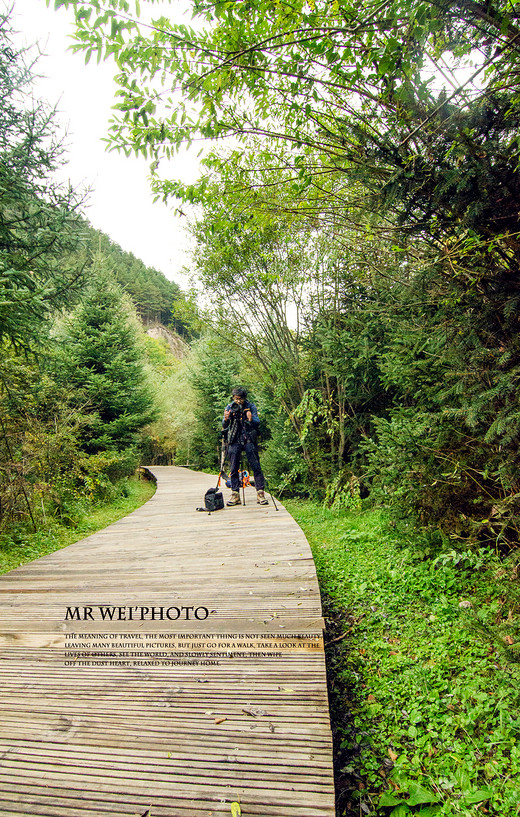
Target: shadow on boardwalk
[{"x": 173, "y": 662}]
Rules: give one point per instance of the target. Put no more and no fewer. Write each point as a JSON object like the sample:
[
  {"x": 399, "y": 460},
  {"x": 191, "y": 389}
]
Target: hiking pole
[{"x": 270, "y": 493}]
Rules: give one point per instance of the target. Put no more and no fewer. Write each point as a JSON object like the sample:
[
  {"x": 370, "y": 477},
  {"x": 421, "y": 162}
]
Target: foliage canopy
[{"x": 387, "y": 134}]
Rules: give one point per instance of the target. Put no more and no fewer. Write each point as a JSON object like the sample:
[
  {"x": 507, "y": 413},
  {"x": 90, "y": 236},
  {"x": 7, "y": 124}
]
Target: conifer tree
[
  {"x": 39, "y": 220},
  {"x": 104, "y": 362}
]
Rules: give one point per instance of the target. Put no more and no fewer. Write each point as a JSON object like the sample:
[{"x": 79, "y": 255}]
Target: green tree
[
  {"x": 186, "y": 318},
  {"x": 214, "y": 368},
  {"x": 39, "y": 220},
  {"x": 39, "y": 444},
  {"x": 103, "y": 363},
  {"x": 327, "y": 93},
  {"x": 447, "y": 452},
  {"x": 40, "y": 231}
]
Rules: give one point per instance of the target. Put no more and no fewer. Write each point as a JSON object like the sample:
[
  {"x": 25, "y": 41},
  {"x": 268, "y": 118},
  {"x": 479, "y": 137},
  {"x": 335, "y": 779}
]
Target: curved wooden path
[{"x": 206, "y": 688}]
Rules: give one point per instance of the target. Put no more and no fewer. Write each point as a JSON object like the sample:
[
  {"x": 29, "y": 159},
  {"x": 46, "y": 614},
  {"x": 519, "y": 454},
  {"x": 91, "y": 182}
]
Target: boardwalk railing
[{"x": 171, "y": 665}]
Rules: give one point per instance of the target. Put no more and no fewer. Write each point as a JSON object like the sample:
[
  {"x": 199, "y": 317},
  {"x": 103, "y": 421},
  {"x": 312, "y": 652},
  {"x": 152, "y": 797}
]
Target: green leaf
[
  {"x": 477, "y": 796},
  {"x": 388, "y": 799},
  {"x": 401, "y": 810},
  {"x": 418, "y": 795}
]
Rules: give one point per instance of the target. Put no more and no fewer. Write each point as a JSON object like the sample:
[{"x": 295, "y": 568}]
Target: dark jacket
[{"x": 237, "y": 427}]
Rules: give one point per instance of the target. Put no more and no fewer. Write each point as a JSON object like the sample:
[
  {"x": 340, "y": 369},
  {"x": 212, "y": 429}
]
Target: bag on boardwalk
[{"x": 213, "y": 500}]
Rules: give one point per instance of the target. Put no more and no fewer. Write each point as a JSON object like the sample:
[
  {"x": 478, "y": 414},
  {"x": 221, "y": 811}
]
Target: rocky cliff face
[{"x": 178, "y": 347}]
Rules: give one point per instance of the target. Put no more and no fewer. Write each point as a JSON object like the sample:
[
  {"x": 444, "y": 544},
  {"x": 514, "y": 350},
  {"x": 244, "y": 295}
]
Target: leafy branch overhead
[{"x": 394, "y": 95}]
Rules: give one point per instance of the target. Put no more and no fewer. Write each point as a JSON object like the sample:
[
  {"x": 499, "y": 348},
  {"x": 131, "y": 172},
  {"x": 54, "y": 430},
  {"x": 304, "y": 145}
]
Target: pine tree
[
  {"x": 39, "y": 220},
  {"x": 103, "y": 361}
]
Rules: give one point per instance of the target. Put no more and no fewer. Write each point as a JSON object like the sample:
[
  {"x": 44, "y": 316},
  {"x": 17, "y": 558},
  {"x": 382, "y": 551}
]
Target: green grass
[
  {"x": 21, "y": 546},
  {"x": 423, "y": 670}
]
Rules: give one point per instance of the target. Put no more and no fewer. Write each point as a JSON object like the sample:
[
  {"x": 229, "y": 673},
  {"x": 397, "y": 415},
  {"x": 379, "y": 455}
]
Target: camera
[{"x": 235, "y": 410}]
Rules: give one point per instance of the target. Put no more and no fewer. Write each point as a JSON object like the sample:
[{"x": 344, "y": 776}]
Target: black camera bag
[{"x": 213, "y": 500}]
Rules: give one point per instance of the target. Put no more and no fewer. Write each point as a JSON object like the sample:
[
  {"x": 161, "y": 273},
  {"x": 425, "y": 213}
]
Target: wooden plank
[{"x": 113, "y": 715}]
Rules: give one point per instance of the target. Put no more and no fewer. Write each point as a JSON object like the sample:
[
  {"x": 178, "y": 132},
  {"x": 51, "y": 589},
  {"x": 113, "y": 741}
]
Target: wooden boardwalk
[{"x": 203, "y": 684}]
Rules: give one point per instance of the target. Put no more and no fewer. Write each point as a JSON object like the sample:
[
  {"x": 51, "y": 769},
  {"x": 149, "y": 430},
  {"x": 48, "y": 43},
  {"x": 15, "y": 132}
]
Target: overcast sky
[{"x": 120, "y": 202}]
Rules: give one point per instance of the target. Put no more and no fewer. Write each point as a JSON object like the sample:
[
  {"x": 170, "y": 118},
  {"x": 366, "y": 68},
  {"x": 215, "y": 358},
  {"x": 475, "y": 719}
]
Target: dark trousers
[{"x": 234, "y": 453}]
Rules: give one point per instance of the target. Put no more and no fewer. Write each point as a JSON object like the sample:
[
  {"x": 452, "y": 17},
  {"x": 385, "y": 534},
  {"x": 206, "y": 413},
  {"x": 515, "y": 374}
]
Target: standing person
[{"x": 240, "y": 426}]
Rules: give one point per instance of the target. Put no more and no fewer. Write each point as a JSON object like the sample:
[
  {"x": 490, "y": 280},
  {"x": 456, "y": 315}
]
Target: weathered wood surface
[{"x": 182, "y": 736}]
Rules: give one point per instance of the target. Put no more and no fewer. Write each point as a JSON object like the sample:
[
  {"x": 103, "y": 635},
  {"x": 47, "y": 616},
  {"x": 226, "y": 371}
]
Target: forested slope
[{"x": 151, "y": 292}]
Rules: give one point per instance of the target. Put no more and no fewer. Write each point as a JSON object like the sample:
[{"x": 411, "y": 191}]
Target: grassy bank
[
  {"x": 17, "y": 547},
  {"x": 423, "y": 670}
]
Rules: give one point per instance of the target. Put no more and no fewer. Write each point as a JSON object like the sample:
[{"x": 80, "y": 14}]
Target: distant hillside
[
  {"x": 149, "y": 289},
  {"x": 178, "y": 347}
]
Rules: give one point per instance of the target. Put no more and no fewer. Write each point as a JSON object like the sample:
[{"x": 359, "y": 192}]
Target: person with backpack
[{"x": 240, "y": 427}]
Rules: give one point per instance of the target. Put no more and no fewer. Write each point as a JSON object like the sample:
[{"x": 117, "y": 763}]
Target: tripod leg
[
  {"x": 242, "y": 478},
  {"x": 223, "y": 455}
]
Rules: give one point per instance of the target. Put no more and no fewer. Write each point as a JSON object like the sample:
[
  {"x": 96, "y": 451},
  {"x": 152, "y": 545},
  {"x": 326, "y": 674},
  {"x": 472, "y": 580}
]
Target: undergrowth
[
  {"x": 423, "y": 664},
  {"x": 18, "y": 545}
]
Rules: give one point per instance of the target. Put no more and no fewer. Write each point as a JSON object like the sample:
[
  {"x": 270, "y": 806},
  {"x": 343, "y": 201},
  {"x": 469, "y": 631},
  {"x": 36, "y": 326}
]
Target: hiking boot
[
  {"x": 260, "y": 498},
  {"x": 234, "y": 499}
]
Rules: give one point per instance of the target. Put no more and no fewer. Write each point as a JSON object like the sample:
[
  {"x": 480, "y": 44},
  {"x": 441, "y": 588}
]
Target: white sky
[{"x": 120, "y": 203}]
